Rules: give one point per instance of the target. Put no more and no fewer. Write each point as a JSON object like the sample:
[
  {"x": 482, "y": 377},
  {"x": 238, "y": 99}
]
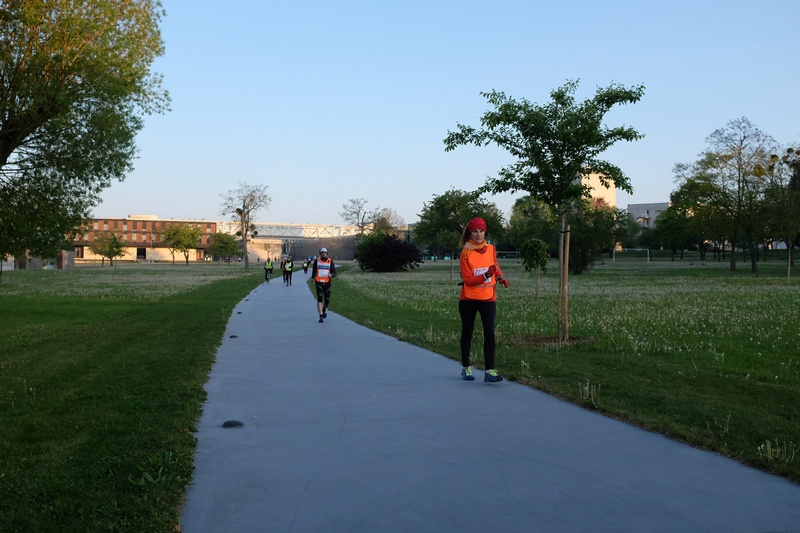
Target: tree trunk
[
  {"x": 563, "y": 252},
  {"x": 538, "y": 281},
  {"x": 566, "y": 283},
  {"x": 245, "y": 229},
  {"x": 559, "y": 317}
]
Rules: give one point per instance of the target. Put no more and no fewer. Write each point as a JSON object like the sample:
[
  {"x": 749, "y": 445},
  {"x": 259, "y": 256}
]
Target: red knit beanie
[{"x": 476, "y": 223}]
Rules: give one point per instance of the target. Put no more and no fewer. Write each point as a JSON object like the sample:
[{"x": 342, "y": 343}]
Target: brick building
[{"x": 141, "y": 235}]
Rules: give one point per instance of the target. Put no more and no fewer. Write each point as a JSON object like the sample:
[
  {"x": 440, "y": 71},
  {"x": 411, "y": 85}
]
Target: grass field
[
  {"x": 101, "y": 384},
  {"x": 102, "y": 370}
]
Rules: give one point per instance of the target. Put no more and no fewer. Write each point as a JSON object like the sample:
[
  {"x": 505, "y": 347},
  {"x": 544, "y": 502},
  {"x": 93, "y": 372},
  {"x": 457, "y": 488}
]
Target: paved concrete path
[{"x": 349, "y": 430}]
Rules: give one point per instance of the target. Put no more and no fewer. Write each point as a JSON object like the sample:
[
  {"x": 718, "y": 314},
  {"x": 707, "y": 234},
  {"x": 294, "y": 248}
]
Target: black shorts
[{"x": 323, "y": 291}]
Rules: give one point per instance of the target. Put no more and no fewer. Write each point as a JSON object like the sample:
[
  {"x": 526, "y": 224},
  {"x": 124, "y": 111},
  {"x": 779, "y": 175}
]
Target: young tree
[
  {"x": 782, "y": 200},
  {"x": 75, "y": 84},
  {"x": 555, "y": 146},
  {"x": 242, "y": 204},
  {"x": 531, "y": 218},
  {"x": 222, "y": 244},
  {"x": 109, "y": 245},
  {"x": 181, "y": 238},
  {"x": 534, "y": 255},
  {"x": 355, "y": 212}
]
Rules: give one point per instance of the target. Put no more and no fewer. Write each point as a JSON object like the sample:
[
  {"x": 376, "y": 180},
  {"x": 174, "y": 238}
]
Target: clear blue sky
[{"x": 325, "y": 101}]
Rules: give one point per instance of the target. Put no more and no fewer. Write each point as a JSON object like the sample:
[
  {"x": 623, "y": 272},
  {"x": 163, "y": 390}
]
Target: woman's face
[{"x": 477, "y": 235}]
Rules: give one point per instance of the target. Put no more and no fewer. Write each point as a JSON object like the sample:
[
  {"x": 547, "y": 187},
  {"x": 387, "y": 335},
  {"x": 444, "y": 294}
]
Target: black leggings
[
  {"x": 468, "y": 309},
  {"x": 323, "y": 293}
]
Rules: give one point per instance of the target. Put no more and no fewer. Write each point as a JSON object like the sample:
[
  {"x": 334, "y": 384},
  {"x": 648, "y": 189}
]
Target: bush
[{"x": 386, "y": 253}]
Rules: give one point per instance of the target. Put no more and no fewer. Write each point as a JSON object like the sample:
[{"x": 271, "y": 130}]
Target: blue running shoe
[
  {"x": 466, "y": 374},
  {"x": 491, "y": 376}
]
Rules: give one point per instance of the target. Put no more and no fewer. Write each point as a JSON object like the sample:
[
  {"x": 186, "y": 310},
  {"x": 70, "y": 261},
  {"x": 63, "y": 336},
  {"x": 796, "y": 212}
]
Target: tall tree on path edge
[
  {"x": 242, "y": 204},
  {"x": 75, "y": 84},
  {"x": 555, "y": 145}
]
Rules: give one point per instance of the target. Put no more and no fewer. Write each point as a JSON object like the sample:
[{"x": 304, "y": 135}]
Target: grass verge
[{"x": 101, "y": 385}]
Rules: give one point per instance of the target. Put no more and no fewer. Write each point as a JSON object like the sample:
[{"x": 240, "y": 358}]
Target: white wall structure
[
  {"x": 275, "y": 239},
  {"x": 645, "y": 214}
]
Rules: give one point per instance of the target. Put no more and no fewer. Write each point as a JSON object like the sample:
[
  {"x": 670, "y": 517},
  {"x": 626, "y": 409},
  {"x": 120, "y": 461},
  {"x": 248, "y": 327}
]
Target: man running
[
  {"x": 322, "y": 271},
  {"x": 267, "y": 269},
  {"x": 289, "y": 265}
]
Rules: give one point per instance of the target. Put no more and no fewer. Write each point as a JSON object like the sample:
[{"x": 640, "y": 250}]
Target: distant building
[
  {"x": 141, "y": 235},
  {"x": 278, "y": 239},
  {"x": 599, "y": 192},
  {"x": 645, "y": 214}
]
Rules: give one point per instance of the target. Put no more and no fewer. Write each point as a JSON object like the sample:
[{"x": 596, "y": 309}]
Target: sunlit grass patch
[{"x": 140, "y": 282}]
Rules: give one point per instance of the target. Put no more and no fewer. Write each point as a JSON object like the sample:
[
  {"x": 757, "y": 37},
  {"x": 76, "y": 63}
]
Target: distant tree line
[{"x": 743, "y": 192}]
